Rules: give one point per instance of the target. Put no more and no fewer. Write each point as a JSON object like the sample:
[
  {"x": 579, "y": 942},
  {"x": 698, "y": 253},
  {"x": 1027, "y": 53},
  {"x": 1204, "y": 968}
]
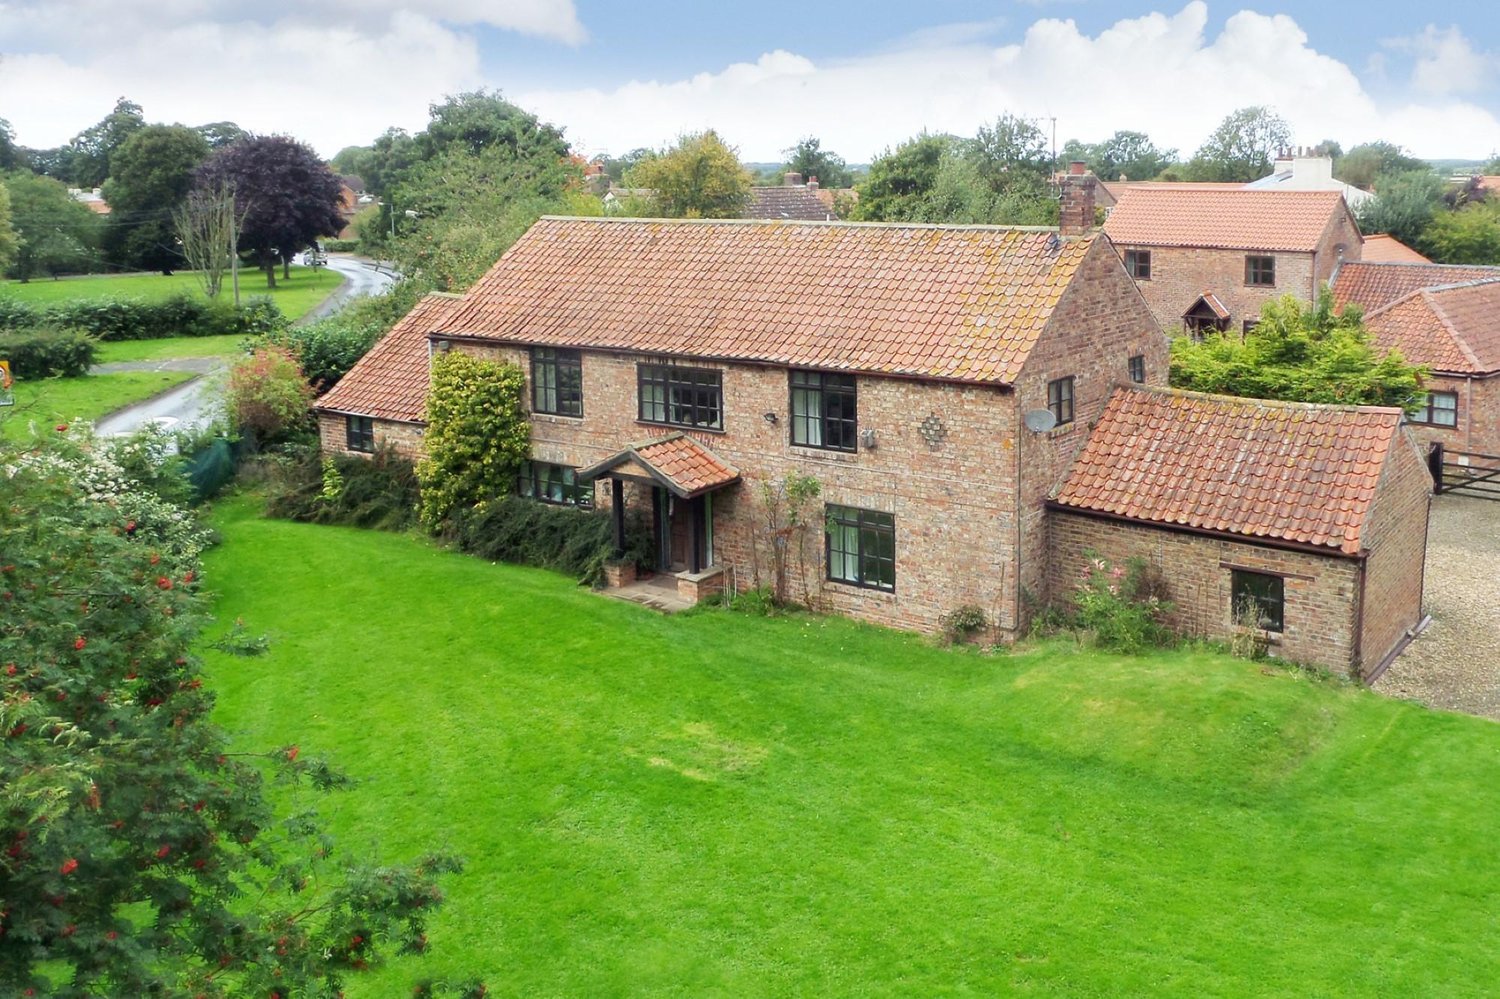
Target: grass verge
[
  {"x": 294, "y": 296},
  {"x": 227, "y": 345},
  {"x": 716, "y": 804},
  {"x": 64, "y": 400}
]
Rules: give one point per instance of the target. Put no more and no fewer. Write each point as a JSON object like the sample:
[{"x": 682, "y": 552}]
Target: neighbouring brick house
[
  {"x": 1447, "y": 318},
  {"x": 792, "y": 200},
  {"x": 1209, "y": 259},
  {"x": 677, "y": 368},
  {"x": 1311, "y": 518}
]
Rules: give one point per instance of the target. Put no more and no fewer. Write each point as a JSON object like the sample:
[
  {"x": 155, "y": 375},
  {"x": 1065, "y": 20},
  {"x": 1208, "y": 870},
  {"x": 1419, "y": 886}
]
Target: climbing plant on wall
[{"x": 477, "y": 435}]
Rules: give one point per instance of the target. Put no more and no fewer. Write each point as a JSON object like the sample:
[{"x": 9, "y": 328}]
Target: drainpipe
[{"x": 1359, "y": 617}]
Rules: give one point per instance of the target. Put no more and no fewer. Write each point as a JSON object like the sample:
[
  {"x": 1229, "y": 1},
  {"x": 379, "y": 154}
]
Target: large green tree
[
  {"x": 150, "y": 177},
  {"x": 55, "y": 234},
  {"x": 88, "y": 165},
  {"x": 811, "y": 160},
  {"x": 1240, "y": 149},
  {"x": 11, "y": 155},
  {"x": 699, "y": 177},
  {"x": 9, "y": 242},
  {"x": 1131, "y": 155},
  {"x": 900, "y": 179},
  {"x": 1364, "y": 164},
  {"x": 286, "y": 194},
  {"x": 1298, "y": 352},
  {"x": 1470, "y": 235},
  {"x": 142, "y": 855},
  {"x": 1403, "y": 206}
]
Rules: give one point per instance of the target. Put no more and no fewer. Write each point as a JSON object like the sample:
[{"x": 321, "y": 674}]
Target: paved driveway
[{"x": 1455, "y": 663}]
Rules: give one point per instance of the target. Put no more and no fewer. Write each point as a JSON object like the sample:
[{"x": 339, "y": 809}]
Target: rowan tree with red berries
[{"x": 139, "y": 854}]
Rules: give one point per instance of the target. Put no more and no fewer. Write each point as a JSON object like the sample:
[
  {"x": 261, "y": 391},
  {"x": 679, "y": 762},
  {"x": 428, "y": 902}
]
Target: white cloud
[
  {"x": 1446, "y": 62},
  {"x": 1158, "y": 73}
]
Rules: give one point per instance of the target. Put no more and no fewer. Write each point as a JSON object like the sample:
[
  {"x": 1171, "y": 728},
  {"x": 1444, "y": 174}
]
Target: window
[
  {"x": 359, "y": 433},
  {"x": 683, "y": 397},
  {"x": 1138, "y": 369},
  {"x": 861, "y": 547},
  {"x": 1138, "y": 264},
  {"x": 556, "y": 381},
  {"x": 1440, "y": 409},
  {"x": 553, "y": 484},
  {"x": 1259, "y": 595},
  {"x": 1060, "y": 399},
  {"x": 1260, "y": 272},
  {"x": 824, "y": 410}
]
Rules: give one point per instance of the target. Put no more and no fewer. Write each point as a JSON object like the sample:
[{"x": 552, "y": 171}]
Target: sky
[{"x": 861, "y": 76}]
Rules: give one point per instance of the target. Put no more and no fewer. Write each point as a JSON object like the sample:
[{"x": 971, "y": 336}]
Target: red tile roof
[
  {"x": 965, "y": 303},
  {"x": 390, "y": 382},
  {"x": 1232, "y": 220},
  {"x": 1292, "y": 472},
  {"x": 1383, "y": 248},
  {"x": 1373, "y": 285},
  {"x": 1452, "y": 328},
  {"x": 680, "y": 463}
]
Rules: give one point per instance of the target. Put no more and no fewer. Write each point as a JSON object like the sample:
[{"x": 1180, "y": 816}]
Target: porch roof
[{"x": 678, "y": 462}]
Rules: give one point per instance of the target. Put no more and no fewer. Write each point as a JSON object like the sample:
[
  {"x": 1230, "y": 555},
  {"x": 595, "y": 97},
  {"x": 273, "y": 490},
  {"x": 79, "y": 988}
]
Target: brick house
[
  {"x": 1447, "y": 318},
  {"x": 937, "y": 381},
  {"x": 1209, "y": 259},
  {"x": 1311, "y": 518}
]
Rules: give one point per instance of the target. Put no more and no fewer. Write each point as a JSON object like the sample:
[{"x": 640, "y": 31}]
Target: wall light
[{"x": 769, "y": 417}]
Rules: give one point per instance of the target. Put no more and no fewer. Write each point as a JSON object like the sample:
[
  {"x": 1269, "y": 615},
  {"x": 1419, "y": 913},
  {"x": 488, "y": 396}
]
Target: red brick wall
[
  {"x": 1478, "y": 427},
  {"x": 1320, "y": 590},
  {"x": 1100, "y": 322},
  {"x": 1180, "y": 276},
  {"x": 405, "y": 438},
  {"x": 1396, "y": 537}
]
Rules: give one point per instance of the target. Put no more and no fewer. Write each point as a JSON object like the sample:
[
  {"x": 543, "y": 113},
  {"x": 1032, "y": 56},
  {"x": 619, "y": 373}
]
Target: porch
[{"x": 679, "y": 478}]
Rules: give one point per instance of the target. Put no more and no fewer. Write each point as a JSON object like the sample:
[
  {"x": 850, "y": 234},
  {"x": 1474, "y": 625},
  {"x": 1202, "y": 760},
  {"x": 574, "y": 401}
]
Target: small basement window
[
  {"x": 1259, "y": 597},
  {"x": 359, "y": 433}
]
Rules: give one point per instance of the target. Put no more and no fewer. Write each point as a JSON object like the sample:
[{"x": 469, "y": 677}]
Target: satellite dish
[{"x": 1038, "y": 420}]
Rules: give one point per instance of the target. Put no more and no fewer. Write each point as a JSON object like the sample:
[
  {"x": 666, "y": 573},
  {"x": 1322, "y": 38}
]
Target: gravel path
[{"x": 1455, "y": 663}]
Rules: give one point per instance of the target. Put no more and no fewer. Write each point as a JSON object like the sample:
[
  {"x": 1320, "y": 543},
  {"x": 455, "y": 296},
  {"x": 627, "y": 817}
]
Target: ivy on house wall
[{"x": 477, "y": 435}]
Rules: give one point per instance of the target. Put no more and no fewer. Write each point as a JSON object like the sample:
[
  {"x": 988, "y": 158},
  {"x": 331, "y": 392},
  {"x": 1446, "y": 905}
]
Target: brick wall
[
  {"x": 1396, "y": 536},
  {"x": 1478, "y": 415},
  {"x": 1320, "y": 591},
  {"x": 405, "y": 438},
  {"x": 1099, "y": 324}
]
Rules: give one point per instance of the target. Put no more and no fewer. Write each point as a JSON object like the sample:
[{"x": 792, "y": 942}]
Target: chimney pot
[
  {"x": 812, "y": 183},
  {"x": 1077, "y": 168},
  {"x": 1075, "y": 214},
  {"x": 792, "y": 179}
]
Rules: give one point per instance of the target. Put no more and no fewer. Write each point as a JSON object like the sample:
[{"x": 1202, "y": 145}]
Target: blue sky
[{"x": 862, "y": 76}]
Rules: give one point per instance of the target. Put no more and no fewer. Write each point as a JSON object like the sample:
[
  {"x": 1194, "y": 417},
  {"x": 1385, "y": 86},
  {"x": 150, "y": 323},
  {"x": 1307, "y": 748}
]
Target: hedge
[
  {"x": 134, "y": 319},
  {"x": 46, "y": 353}
]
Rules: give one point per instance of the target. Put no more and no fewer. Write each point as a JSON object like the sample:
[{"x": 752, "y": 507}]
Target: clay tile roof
[
  {"x": 390, "y": 382},
  {"x": 1231, "y": 220},
  {"x": 1213, "y": 302},
  {"x": 680, "y": 463},
  {"x": 1452, "y": 328},
  {"x": 787, "y": 203},
  {"x": 1383, "y": 248},
  {"x": 965, "y": 303},
  {"x": 1293, "y": 472},
  {"x": 1374, "y": 285}
]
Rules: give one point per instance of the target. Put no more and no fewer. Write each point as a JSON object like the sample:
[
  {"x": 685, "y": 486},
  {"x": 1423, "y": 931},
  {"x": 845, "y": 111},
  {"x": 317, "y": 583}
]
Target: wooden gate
[{"x": 1464, "y": 473}]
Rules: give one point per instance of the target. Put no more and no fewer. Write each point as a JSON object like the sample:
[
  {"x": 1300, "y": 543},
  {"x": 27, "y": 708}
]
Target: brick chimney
[
  {"x": 791, "y": 179},
  {"x": 812, "y": 183},
  {"x": 1077, "y": 168},
  {"x": 1075, "y": 214}
]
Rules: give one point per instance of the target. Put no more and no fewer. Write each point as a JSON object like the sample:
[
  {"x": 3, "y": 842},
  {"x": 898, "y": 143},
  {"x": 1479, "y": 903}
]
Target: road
[{"x": 194, "y": 403}]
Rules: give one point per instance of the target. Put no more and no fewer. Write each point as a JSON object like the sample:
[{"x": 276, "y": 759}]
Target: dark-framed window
[
  {"x": 1138, "y": 264},
  {"x": 1138, "y": 368},
  {"x": 556, "y": 381},
  {"x": 1260, "y": 272},
  {"x": 549, "y": 483},
  {"x": 825, "y": 410},
  {"x": 861, "y": 547},
  {"x": 1258, "y": 596},
  {"x": 682, "y": 397},
  {"x": 1439, "y": 409},
  {"x": 359, "y": 433},
  {"x": 1060, "y": 399}
]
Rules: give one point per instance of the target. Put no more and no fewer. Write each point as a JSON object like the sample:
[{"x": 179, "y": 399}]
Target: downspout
[
  {"x": 1015, "y": 617},
  {"x": 1469, "y": 412},
  {"x": 1359, "y": 618}
]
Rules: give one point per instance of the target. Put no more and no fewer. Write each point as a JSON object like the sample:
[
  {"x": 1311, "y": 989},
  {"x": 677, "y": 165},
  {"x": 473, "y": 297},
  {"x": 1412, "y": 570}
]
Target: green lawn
[
  {"x": 63, "y": 400},
  {"x": 226, "y": 345},
  {"x": 295, "y": 296},
  {"x": 714, "y": 804}
]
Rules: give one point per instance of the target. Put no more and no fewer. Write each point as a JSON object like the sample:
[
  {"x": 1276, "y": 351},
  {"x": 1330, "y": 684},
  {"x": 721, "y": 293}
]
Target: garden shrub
[
  {"x": 134, "y": 319},
  {"x": 477, "y": 435},
  {"x": 963, "y": 623},
  {"x": 1123, "y": 606},
  {"x": 326, "y": 349},
  {"x": 514, "y": 529},
  {"x": 377, "y": 492},
  {"x": 43, "y": 352},
  {"x": 267, "y": 398}
]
